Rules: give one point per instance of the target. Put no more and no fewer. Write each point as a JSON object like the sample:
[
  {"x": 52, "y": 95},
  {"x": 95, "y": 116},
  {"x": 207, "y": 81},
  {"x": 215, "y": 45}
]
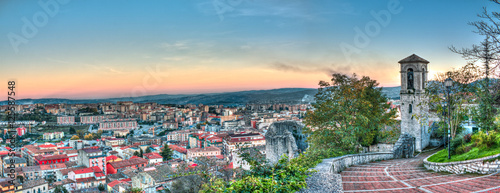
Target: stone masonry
[
  {"x": 486, "y": 165},
  {"x": 414, "y": 110},
  {"x": 404, "y": 147},
  {"x": 284, "y": 137}
]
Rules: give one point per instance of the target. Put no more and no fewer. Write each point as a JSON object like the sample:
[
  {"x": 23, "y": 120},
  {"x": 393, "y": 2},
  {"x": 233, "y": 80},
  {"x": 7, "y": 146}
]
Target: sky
[{"x": 115, "y": 48}]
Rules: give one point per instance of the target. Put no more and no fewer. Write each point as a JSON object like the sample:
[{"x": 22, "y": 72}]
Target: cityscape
[{"x": 249, "y": 96}]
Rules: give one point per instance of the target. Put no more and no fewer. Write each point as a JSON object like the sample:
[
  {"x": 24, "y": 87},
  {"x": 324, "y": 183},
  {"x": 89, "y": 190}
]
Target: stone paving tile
[
  {"x": 491, "y": 191},
  {"x": 409, "y": 190},
  {"x": 366, "y": 179},
  {"x": 372, "y": 185},
  {"x": 408, "y": 176}
]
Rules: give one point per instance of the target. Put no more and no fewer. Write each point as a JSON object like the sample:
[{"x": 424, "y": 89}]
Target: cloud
[
  {"x": 106, "y": 69},
  {"x": 308, "y": 68},
  {"x": 178, "y": 45},
  {"x": 174, "y": 58}
]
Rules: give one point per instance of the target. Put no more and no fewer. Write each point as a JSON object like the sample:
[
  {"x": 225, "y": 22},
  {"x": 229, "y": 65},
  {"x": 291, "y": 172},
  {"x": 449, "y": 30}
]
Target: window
[
  {"x": 410, "y": 109},
  {"x": 410, "y": 79},
  {"x": 423, "y": 78}
]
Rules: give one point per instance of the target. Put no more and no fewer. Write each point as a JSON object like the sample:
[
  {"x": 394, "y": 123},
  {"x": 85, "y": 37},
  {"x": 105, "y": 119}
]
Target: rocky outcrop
[{"x": 285, "y": 137}]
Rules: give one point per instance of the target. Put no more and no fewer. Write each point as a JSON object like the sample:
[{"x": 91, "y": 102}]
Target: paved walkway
[{"x": 409, "y": 175}]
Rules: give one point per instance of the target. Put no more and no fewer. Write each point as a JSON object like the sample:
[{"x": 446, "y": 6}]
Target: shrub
[
  {"x": 459, "y": 150},
  {"x": 467, "y": 138},
  {"x": 455, "y": 143},
  {"x": 483, "y": 140},
  {"x": 284, "y": 176}
]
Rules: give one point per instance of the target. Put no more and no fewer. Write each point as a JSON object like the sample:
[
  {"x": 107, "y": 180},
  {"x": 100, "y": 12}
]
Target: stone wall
[
  {"x": 340, "y": 163},
  {"x": 484, "y": 165},
  {"x": 381, "y": 147},
  {"x": 435, "y": 142},
  {"x": 284, "y": 137},
  {"x": 404, "y": 147}
]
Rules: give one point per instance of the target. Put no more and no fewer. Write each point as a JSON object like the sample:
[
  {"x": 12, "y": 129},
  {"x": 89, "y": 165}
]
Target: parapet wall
[
  {"x": 342, "y": 162},
  {"x": 404, "y": 148},
  {"x": 485, "y": 165}
]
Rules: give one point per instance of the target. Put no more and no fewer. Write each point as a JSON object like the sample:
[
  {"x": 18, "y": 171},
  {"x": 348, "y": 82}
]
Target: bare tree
[{"x": 487, "y": 53}]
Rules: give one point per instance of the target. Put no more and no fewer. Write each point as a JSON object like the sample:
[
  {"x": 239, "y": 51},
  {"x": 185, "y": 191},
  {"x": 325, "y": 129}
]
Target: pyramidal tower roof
[{"x": 412, "y": 59}]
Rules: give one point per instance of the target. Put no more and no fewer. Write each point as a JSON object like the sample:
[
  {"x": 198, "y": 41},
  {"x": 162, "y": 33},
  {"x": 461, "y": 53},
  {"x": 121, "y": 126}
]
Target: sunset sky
[{"x": 114, "y": 48}]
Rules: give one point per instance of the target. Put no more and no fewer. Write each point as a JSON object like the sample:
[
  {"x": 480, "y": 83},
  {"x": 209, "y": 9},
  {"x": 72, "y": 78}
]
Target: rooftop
[
  {"x": 413, "y": 58},
  {"x": 129, "y": 162}
]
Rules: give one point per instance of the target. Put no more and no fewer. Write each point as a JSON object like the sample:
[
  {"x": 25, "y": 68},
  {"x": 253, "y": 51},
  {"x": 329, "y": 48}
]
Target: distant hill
[{"x": 282, "y": 95}]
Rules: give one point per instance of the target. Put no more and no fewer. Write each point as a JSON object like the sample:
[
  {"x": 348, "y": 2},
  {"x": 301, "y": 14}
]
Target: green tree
[
  {"x": 60, "y": 189},
  {"x": 80, "y": 134},
  {"x": 136, "y": 153},
  {"x": 140, "y": 152},
  {"x": 166, "y": 153},
  {"x": 20, "y": 178},
  {"x": 462, "y": 93},
  {"x": 72, "y": 130},
  {"x": 348, "y": 112},
  {"x": 136, "y": 190},
  {"x": 101, "y": 187},
  {"x": 487, "y": 52},
  {"x": 148, "y": 150},
  {"x": 75, "y": 137}
]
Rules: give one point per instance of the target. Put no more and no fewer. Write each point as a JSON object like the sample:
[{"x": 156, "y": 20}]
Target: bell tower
[{"x": 413, "y": 82}]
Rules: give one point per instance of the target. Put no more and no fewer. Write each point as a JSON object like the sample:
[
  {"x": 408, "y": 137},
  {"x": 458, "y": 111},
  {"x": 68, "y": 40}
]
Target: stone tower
[{"x": 413, "y": 111}]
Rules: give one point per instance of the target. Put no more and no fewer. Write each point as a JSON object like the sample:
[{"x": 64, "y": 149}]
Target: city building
[
  {"x": 203, "y": 152},
  {"x": 91, "y": 157},
  {"x": 87, "y": 178},
  {"x": 21, "y": 131},
  {"x": 232, "y": 142},
  {"x": 113, "y": 142},
  {"x": 52, "y": 136},
  {"x": 121, "y": 133},
  {"x": 134, "y": 163},
  {"x": 153, "y": 158},
  {"x": 50, "y": 159},
  {"x": 66, "y": 120},
  {"x": 8, "y": 162},
  {"x": 118, "y": 124},
  {"x": 181, "y": 135},
  {"x": 178, "y": 152},
  {"x": 92, "y": 119}
]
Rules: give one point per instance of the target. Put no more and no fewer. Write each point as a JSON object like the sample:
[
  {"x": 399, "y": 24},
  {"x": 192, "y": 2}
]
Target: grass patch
[
  {"x": 474, "y": 153},
  {"x": 49, "y": 128}
]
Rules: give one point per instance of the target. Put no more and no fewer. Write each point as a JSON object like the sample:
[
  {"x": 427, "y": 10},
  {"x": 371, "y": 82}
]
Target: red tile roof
[
  {"x": 128, "y": 163},
  {"x": 47, "y": 146},
  {"x": 153, "y": 156},
  {"x": 114, "y": 183},
  {"x": 51, "y": 157},
  {"x": 112, "y": 157},
  {"x": 84, "y": 171},
  {"x": 178, "y": 149},
  {"x": 53, "y": 166}
]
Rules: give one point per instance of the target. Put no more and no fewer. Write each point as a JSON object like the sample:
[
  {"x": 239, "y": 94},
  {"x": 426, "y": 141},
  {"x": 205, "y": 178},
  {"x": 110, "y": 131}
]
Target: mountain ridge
[{"x": 280, "y": 95}]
